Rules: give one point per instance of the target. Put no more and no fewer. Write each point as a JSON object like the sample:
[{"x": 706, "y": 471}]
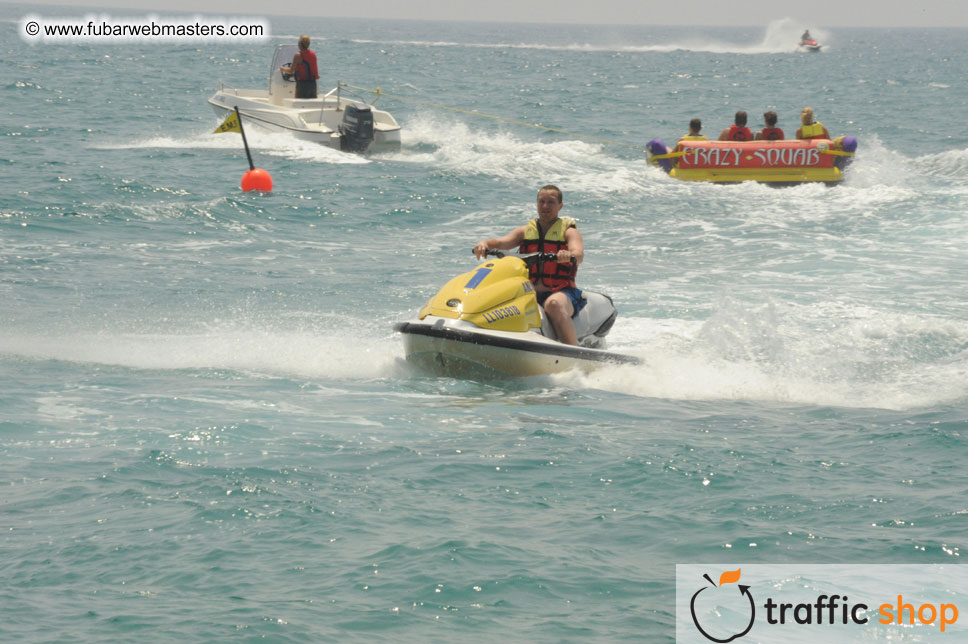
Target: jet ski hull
[{"x": 454, "y": 347}]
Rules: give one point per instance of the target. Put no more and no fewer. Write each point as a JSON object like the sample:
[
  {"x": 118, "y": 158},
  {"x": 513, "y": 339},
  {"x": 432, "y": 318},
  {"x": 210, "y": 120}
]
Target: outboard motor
[{"x": 356, "y": 130}]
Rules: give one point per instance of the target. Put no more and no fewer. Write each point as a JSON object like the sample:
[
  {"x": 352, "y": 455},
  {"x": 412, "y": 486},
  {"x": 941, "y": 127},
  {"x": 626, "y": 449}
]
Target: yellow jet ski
[{"x": 488, "y": 319}]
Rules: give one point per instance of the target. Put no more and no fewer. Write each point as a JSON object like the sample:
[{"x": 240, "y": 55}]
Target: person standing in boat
[
  {"x": 304, "y": 68},
  {"x": 811, "y": 129},
  {"x": 554, "y": 281},
  {"x": 771, "y": 132},
  {"x": 738, "y": 131}
]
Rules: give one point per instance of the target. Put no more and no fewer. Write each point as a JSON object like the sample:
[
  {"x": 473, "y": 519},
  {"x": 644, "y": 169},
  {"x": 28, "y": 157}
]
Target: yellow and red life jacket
[{"x": 554, "y": 275}]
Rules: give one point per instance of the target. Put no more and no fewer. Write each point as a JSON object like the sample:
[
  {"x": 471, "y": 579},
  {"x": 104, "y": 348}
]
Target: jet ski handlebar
[{"x": 529, "y": 258}]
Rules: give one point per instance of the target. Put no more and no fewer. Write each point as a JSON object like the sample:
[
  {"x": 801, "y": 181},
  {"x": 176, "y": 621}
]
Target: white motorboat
[{"x": 333, "y": 119}]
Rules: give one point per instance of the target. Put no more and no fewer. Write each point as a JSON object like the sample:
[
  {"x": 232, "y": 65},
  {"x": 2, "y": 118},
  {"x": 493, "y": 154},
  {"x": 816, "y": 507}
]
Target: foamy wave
[
  {"x": 951, "y": 164},
  {"x": 827, "y": 355},
  {"x": 304, "y": 354},
  {"x": 451, "y": 146},
  {"x": 479, "y": 45},
  {"x": 877, "y": 166},
  {"x": 279, "y": 144},
  {"x": 782, "y": 36}
]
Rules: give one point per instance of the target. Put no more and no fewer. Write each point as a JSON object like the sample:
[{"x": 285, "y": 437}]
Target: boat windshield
[{"x": 283, "y": 56}]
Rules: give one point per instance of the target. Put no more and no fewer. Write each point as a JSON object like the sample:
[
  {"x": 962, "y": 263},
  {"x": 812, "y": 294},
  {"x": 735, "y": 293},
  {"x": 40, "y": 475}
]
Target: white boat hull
[{"x": 316, "y": 120}]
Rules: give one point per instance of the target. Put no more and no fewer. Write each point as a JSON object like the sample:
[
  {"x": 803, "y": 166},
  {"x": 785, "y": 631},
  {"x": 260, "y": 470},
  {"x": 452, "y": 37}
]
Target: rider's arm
[
  {"x": 296, "y": 59},
  {"x": 512, "y": 240},
  {"x": 576, "y": 247}
]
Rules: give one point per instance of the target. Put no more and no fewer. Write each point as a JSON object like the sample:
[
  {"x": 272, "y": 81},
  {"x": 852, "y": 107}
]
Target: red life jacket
[
  {"x": 737, "y": 133},
  {"x": 772, "y": 134},
  {"x": 554, "y": 275},
  {"x": 307, "y": 69}
]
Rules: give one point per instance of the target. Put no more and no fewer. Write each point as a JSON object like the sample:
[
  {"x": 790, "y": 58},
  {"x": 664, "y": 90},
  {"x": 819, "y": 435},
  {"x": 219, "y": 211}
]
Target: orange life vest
[
  {"x": 772, "y": 134},
  {"x": 554, "y": 275},
  {"x": 737, "y": 133}
]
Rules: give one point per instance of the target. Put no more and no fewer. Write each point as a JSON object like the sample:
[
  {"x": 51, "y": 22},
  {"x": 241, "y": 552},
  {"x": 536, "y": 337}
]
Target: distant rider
[
  {"x": 304, "y": 68},
  {"x": 554, "y": 281}
]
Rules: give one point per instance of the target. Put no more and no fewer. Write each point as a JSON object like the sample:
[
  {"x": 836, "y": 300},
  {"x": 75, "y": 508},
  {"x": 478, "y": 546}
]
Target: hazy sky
[{"x": 814, "y": 13}]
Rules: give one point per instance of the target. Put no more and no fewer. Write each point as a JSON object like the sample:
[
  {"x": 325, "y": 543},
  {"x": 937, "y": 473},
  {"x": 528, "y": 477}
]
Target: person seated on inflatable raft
[
  {"x": 554, "y": 282},
  {"x": 695, "y": 127},
  {"x": 738, "y": 131},
  {"x": 771, "y": 132},
  {"x": 811, "y": 129}
]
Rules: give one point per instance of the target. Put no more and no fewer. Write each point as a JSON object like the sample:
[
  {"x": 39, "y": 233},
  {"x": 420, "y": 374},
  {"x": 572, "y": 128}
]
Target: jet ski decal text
[{"x": 501, "y": 313}]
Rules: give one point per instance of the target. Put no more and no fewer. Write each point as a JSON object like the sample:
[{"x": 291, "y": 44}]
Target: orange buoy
[{"x": 257, "y": 179}]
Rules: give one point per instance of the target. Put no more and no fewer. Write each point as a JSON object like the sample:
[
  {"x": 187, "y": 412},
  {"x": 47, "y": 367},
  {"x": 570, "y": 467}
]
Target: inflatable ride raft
[{"x": 781, "y": 162}]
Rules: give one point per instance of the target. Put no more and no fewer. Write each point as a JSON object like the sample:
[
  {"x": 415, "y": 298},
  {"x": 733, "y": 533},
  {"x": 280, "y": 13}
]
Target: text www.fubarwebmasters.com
[{"x": 150, "y": 28}]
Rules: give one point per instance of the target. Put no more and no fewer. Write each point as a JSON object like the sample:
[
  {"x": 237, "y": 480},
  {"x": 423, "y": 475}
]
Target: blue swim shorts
[{"x": 578, "y": 301}]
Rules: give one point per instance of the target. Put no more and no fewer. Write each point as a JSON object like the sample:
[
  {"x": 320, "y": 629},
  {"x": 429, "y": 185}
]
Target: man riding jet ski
[
  {"x": 491, "y": 316},
  {"x": 554, "y": 281},
  {"x": 808, "y": 42}
]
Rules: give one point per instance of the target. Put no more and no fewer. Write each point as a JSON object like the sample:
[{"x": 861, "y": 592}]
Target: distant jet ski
[{"x": 809, "y": 44}]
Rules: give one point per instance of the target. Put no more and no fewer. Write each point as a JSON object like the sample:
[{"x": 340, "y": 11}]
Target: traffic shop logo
[
  {"x": 737, "y": 598},
  {"x": 726, "y": 611}
]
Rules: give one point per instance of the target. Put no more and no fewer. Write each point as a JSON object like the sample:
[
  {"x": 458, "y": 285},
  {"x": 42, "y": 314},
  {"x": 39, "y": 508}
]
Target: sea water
[{"x": 208, "y": 432}]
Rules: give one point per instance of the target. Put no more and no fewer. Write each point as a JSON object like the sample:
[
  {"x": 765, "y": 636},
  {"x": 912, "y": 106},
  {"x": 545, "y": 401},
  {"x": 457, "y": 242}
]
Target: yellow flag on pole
[{"x": 231, "y": 124}]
